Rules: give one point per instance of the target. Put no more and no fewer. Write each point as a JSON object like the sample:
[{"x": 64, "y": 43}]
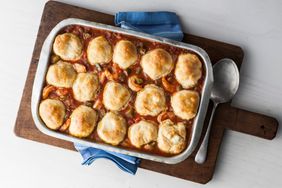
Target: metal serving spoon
[{"x": 226, "y": 83}]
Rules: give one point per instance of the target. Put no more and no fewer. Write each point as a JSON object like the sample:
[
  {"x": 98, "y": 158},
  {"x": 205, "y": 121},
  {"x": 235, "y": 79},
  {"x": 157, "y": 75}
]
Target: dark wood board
[{"x": 226, "y": 117}]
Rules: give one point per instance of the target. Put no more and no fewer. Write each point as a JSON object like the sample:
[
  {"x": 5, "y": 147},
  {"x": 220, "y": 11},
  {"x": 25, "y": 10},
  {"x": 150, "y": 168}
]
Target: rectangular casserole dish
[{"x": 198, "y": 120}]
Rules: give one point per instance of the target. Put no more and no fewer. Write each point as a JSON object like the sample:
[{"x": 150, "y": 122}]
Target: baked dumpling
[
  {"x": 83, "y": 121},
  {"x": 171, "y": 137},
  {"x": 61, "y": 74},
  {"x": 185, "y": 104},
  {"x": 99, "y": 51},
  {"x": 112, "y": 128},
  {"x": 68, "y": 46},
  {"x": 188, "y": 70},
  {"x": 115, "y": 96},
  {"x": 85, "y": 87},
  {"x": 157, "y": 63},
  {"x": 142, "y": 133},
  {"x": 150, "y": 100},
  {"x": 125, "y": 54},
  {"x": 52, "y": 112}
]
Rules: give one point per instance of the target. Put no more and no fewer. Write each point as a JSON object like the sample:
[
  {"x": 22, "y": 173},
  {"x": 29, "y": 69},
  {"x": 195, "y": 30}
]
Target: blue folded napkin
[
  {"x": 164, "y": 24},
  {"x": 125, "y": 162}
]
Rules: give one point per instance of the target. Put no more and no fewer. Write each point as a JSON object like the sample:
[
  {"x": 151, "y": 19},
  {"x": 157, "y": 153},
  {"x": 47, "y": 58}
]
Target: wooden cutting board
[{"x": 226, "y": 117}]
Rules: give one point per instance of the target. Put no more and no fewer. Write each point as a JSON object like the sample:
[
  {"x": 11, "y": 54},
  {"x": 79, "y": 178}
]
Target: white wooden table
[{"x": 244, "y": 161}]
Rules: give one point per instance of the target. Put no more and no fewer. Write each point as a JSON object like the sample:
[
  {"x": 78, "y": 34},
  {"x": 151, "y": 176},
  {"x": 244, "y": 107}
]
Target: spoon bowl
[{"x": 226, "y": 80}]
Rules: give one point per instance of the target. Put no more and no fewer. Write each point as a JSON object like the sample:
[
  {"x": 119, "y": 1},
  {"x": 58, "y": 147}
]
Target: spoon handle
[{"x": 202, "y": 152}]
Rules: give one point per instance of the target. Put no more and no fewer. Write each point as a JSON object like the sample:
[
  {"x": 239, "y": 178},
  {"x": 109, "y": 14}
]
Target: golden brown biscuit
[
  {"x": 52, "y": 112},
  {"x": 188, "y": 70},
  {"x": 125, "y": 54},
  {"x": 85, "y": 87},
  {"x": 68, "y": 46},
  {"x": 142, "y": 133},
  {"x": 150, "y": 100},
  {"x": 83, "y": 121},
  {"x": 157, "y": 63},
  {"x": 99, "y": 51},
  {"x": 115, "y": 96},
  {"x": 185, "y": 104},
  {"x": 112, "y": 128},
  {"x": 61, "y": 74},
  {"x": 171, "y": 137}
]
